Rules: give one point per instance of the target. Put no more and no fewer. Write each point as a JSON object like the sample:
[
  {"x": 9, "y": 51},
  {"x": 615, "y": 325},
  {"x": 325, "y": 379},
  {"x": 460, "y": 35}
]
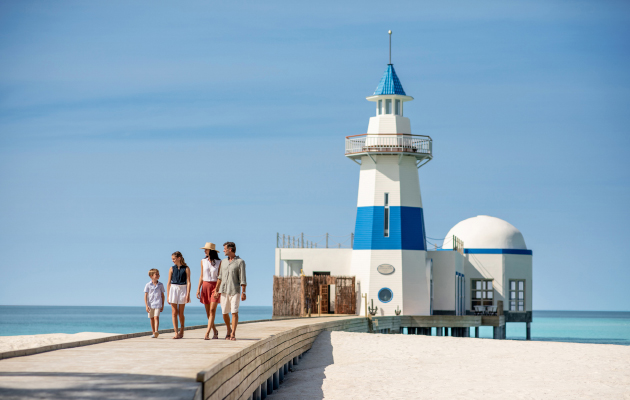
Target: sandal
[
  {"x": 232, "y": 337},
  {"x": 206, "y": 337},
  {"x": 216, "y": 335},
  {"x": 227, "y": 337}
]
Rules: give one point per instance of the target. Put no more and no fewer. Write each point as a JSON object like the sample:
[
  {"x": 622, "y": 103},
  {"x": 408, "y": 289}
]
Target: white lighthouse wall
[
  {"x": 416, "y": 283},
  {"x": 388, "y": 123},
  {"x": 446, "y": 264},
  {"x": 388, "y": 176},
  {"x": 392, "y": 281}
]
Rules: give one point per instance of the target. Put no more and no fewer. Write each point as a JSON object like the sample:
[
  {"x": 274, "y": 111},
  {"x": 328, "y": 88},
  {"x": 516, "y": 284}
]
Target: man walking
[{"x": 231, "y": 279}]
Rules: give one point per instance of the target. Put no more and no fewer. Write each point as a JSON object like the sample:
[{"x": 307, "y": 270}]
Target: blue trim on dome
[
  {"x": 389, "y": 84},
  {"x": 498, "y": 251},
  {"x": 491, "y": 251}
]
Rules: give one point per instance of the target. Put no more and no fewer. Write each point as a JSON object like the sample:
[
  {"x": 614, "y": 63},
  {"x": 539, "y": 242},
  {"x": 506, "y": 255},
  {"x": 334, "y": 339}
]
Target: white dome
[{"x": 485, "y": 232}]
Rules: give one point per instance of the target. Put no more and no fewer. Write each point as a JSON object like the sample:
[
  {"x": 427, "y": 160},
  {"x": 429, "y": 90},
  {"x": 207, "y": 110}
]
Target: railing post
[
  {"x": 283, "y": 240},
  {"x": 352, "y": 240},
  {"x": 302, "y": 239},
  {"x": 326, "y": 239},
  {"x": 277, "y": 239}
]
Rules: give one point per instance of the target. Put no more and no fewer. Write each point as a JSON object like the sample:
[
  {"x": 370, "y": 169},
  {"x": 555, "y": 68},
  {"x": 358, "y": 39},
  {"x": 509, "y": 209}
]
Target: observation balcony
[{"x": 400, "y": 144}]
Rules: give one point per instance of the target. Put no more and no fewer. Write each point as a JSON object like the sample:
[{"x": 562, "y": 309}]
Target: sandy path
[
  {"x": 362, "y": 366},
  {"x": 12, "y": 343}
]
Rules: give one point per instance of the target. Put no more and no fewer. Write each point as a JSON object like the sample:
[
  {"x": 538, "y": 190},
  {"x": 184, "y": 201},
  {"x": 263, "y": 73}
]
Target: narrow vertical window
[
  {"x": 386, "y": 230},
  {"x": 380, "y": 107},
  {"x": 388, "y": 106},
  {"x": 517, "y": 295},
  {"x": 397, "y": 107}
]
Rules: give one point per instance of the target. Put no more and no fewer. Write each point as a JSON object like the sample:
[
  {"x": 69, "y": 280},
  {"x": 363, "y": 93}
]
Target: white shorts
[
  {"x": 229, "y": 304},
  {"x": 177, "y": 294},
  {"x": 154, "y": 312}
]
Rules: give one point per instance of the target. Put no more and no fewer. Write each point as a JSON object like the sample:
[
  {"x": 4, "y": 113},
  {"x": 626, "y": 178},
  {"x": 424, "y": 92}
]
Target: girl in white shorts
[{"x": 178, "y": 291}]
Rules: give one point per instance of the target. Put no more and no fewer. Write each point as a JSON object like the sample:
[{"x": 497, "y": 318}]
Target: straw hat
[{"x": 209, "y": 246}]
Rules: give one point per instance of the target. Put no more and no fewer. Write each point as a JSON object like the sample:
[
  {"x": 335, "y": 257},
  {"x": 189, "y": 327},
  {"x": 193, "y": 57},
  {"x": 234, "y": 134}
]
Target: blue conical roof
[{"x": 390, "y": 84}]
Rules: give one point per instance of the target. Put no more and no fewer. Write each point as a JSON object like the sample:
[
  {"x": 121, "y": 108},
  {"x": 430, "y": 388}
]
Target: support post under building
[{"x": 528, "y": 331}]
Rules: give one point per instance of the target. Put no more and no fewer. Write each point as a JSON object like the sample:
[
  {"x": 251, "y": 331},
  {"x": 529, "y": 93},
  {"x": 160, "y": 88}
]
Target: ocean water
[
  {"x": 559, "y": 326},
  {"x": 34, "y": 320}
]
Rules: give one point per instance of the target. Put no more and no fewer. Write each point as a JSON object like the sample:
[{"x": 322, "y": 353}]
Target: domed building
[
  {"x": 483, "y": 263},
  {"x": 486, "y": 232}
]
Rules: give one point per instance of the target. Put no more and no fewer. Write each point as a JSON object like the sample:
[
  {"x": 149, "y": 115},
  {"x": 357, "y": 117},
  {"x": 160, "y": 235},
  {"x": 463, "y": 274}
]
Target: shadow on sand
[{"x": 308, "y": 377}]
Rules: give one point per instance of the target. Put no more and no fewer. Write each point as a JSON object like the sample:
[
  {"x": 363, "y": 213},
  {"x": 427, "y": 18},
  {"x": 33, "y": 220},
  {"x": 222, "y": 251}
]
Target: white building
[{"x": 389, "y": 256}]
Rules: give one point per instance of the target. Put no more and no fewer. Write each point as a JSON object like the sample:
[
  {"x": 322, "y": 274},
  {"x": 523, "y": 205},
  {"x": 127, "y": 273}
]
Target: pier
[
  {"x": 189, "y": 368},
  {"x": 192, "y": 368}
]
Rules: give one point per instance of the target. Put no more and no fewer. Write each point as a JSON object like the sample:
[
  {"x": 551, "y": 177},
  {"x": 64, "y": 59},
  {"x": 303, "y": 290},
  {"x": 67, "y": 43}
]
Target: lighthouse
[{"x": 389, "y": 255}]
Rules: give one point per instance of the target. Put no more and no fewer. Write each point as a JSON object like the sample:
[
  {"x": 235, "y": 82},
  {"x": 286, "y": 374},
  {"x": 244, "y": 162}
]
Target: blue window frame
[{"x": 385, "y": 295}]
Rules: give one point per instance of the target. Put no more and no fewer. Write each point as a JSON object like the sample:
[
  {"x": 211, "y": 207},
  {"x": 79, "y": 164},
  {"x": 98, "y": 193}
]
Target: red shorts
[{"x": 206, "y": 293}]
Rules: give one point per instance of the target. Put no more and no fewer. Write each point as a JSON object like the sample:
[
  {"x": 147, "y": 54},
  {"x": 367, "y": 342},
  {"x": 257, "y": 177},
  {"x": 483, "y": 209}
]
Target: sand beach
[
  {"x": 22, "y": 342},
  {"x": 344, "y": 365}
]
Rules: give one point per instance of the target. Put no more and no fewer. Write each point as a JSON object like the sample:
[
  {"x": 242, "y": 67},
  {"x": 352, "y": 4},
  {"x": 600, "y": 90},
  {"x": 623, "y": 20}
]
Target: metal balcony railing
[{"x": 389, "y": 143}]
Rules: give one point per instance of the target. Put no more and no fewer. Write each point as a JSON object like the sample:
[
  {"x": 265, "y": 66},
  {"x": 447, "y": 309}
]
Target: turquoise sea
[
  {"x": 34, "y": 320},
  {"x": 560, "y": 326}
]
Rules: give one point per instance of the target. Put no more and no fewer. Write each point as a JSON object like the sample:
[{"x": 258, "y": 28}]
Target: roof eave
[{"x": 377, "y": 97}]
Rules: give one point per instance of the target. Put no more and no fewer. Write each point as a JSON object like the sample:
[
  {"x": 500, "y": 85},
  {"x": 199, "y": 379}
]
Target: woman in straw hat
[{"x": 207, "y": 285}]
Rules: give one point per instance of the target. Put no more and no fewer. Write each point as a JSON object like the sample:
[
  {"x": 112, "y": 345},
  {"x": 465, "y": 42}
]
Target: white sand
[
  {"x": 12, "y": 343},
  {"x": 363, "y": 366}
]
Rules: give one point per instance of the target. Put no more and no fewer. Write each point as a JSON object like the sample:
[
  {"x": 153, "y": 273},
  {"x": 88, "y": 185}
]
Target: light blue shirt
[{"x": 155, "y": 294}]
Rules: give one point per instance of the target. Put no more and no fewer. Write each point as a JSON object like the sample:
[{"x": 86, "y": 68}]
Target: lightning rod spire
[{"x": 390, "y": 46}]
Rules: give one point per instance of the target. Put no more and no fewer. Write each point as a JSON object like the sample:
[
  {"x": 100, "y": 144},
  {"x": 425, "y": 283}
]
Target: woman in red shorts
[{"x": 207, "y": 285}]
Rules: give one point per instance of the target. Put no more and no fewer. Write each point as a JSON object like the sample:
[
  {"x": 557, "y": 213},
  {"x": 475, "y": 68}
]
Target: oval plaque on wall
[{"x": 385, "y": 269}]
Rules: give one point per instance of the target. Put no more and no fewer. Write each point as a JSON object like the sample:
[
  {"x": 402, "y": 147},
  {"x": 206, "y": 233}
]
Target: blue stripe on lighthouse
[{"x": 406, "y": 229}]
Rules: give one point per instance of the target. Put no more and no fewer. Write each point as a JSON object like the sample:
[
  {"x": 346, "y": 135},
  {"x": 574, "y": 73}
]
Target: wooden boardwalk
[{"x": 140, "y": 367}]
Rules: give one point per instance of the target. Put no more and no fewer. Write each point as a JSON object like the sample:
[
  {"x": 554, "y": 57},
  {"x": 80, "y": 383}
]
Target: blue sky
[{"x": 129, "y": 130}]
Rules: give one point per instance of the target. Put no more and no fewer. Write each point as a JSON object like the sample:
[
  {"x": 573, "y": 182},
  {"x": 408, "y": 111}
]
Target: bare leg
[
  {"x": 153, "y": 325},
  {"x": 226, "y": 318},
  {"x": 234, "y": 324},
  {"x": 208, "y": 310},
  {"x": 181, "y": 320},
  {"x": 157, "y": 326},
  {"x": 213, "y": 315},
  {"x": 174, "y": 307},
  {"x": 207, "y": 335}
]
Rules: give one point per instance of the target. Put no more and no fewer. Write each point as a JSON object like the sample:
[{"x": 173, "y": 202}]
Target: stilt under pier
[
  {"x": 270, "y": 385},
  {"x": 528, "y": 331},
  {"x": 476, "y": 331}
]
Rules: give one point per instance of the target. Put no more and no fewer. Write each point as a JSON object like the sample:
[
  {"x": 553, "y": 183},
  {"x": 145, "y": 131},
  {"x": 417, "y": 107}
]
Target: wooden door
[{"x": 323, "y": 292}]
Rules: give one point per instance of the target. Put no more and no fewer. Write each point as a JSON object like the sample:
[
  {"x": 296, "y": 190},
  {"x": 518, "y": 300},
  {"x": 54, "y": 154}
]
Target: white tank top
[{"x": 210, "y": 270}]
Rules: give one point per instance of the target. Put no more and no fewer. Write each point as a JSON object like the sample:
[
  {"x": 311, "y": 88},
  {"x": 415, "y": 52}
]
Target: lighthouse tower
[{"x": 389, "y": 252}]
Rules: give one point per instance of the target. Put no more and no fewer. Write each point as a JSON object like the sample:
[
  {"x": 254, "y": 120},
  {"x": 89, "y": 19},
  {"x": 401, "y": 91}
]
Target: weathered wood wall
[
  {"x": 286, "y": 296},
  {"x": 293, "y": 295},
  {"x": 345, "y": 296}
]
